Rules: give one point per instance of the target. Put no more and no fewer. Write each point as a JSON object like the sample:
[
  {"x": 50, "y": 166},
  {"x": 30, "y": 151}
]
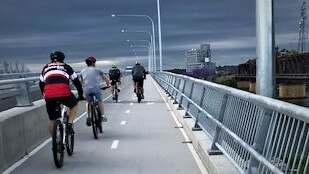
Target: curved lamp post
[
  {"x": 142, "y": 31},
  {"x": 153, "y": 33}
]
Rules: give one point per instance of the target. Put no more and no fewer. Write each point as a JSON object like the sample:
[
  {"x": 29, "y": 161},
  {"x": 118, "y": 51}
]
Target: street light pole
[
  {"x": 150, "y": 63},
  {"x": 159, "y": 32},
  {"x": 153, "y": 33}
]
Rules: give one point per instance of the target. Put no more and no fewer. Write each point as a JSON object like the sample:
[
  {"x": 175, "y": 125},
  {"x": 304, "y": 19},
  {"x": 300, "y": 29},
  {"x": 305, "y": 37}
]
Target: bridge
[
  {"x": 184, "y": 125},
  {"x": 292, "y": 75}
]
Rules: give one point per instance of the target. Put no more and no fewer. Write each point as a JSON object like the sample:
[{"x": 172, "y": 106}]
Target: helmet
[
  {"x": 90, "y": 60},
  {"x": 137, "y": 63},
  {"x": 57, "y": 55},
  {"x": 114, "y": 66}
]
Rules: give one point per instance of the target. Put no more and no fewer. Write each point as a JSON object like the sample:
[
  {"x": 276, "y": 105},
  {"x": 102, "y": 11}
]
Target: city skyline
[{"x": 30, "y": 31}]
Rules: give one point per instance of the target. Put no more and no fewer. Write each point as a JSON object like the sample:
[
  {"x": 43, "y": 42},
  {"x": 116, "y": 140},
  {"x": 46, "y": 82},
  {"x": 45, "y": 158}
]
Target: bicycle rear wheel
[
  {"x": 139, "y": 95},
  {"x": 69, "y": 139},
  {"x": 93, "y": 117},
  {"x": 116, "y": 94},
  {"x": 58, "y": 147}
]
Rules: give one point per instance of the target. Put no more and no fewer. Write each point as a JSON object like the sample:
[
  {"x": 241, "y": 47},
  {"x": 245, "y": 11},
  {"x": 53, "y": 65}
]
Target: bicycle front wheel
[
  {"x": 58, "y": 147},
  {"x": 69, "y": 139}
]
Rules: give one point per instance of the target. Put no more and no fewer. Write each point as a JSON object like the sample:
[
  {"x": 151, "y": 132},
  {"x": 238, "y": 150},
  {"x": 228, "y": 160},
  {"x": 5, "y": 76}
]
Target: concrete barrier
[{"x": 21, "y": 130}]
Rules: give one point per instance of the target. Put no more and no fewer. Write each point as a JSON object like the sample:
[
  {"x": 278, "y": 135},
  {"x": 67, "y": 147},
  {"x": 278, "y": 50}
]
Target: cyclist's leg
[
  {"x": 112, "y": 87},
  {"x": 98, "y": 95},
  {"x": 71, "y": 103},
  {"x": 53, "y": 111},
  {"x": 141, "y": 86}
]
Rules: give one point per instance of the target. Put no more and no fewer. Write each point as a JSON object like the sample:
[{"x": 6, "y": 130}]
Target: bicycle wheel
[
  {"x": 69, "y": 139},
  {"x": 139, "y": 95},
  {"x": 116, "y": 94},
  {"x": 99, "y": 120},
  {"x": 94, "y": 121},
  {"x": 58, "y": 147}
]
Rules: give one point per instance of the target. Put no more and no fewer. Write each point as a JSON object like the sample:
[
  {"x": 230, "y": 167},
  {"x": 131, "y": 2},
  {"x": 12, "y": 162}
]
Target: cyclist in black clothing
[
  {"x": 115, "y": 77},
  {"x": 139, "y": 74}
]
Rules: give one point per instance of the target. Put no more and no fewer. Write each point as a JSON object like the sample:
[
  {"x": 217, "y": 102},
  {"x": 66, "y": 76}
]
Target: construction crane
[{"x": 303, "y": 30}]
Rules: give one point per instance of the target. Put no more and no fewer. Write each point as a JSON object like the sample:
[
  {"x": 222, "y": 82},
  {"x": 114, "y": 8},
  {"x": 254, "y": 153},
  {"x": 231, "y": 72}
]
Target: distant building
[{"x": 199, "y": 58}]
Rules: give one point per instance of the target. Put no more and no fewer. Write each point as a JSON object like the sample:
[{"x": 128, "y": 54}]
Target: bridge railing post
[
  {"x": 188, "y": 104},
  {"x": 174, "y": 81},
  {"x": 182, "y": 92},
  {"x": 260, "y": 139},
  {"x": 196, "y": 126},
  {"x": 25, "y": 98},
  {"x": 177, "y": 85},
  {"x": 214, "y": 149}
]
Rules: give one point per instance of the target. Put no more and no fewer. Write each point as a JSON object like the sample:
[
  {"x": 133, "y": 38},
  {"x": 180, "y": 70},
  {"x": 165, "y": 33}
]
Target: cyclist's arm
[
  {"x": 78, "y": 86},
  {"x": 75, "y": 80},
  {"x": 106, "y": 79}
]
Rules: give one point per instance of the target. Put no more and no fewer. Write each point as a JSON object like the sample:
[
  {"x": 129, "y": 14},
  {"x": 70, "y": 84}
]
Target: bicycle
[
  {"x": 95, "y": 115},
  {"x": 115, "y": 91},
  {"x": 139, "y": 92},
  {"x": 58, "y": 143}
]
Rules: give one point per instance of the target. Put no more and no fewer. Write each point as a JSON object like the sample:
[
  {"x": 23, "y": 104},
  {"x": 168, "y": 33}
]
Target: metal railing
[
  {"x": 20, "y": 88},
  {"x": 258, "y": 134},
  {"x": 23, "y": 87}
]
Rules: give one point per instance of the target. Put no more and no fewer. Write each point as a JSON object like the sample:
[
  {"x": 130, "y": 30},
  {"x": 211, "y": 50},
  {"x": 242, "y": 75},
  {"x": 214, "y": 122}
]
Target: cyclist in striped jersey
[{"x": 54, "y": 84}]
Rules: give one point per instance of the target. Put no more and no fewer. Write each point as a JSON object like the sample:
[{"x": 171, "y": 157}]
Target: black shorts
[
  {"x": 53, "y": 105},
  {"x": 114, "y": 81},
  {"x": 140, "y": 81}
]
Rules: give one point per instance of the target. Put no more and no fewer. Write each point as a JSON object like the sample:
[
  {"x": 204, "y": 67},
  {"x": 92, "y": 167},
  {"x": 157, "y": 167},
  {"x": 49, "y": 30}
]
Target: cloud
[{"x": 79, "y": 28}]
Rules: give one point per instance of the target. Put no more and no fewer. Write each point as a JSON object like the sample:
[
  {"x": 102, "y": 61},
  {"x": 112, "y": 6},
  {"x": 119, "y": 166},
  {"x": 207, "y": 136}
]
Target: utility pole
[{"x": 303, "y": 30}]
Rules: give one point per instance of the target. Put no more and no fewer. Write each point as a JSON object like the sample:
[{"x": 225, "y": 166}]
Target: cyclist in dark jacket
[
  {"x": 139, "y": 74},
  {"x": 115, "y": 77}
]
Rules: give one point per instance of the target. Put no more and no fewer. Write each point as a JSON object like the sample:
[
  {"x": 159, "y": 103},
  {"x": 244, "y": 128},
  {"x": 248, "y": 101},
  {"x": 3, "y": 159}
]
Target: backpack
[{"x": 114, "y": 74}]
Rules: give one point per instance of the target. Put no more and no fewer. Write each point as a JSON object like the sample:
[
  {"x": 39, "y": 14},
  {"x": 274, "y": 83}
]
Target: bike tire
[
  {"x": 69, "y": 140},
  {"x": 116, "y": 97},
  {"x": 57, "y": 141},
  {"x": 94, "y": 122},
  {"x": 139, "y": 96},
  {"x": 99, "y": 120}
]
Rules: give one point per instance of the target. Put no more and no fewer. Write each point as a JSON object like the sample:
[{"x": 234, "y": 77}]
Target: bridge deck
[{"x": 147, "y": 141}]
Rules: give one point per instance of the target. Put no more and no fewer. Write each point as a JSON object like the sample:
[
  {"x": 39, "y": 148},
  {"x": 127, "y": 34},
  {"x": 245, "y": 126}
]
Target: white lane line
[
  {"x": 115, "y": 144},
  {"x": 22, "y": 160},
  {"x": 123, "y": 122},
  {"x": 128, "y": 111},
  {"x": 190, "y": 146},
  {"x": 150, "y": 103},
  {"x": 131, "y": 103}
]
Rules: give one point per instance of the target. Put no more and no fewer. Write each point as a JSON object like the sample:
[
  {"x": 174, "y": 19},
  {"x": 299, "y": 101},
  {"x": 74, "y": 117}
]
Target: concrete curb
[
  {"x": 21, "y": 130},
  {"x": 215, "y": 164}
]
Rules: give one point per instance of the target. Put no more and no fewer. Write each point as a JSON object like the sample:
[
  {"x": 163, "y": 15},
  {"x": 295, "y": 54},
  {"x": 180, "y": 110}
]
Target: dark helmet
[
  {"x": 90, "y": 60},
  {"x": 57, "y": 56},
  {"x": 137, "y": 63}
]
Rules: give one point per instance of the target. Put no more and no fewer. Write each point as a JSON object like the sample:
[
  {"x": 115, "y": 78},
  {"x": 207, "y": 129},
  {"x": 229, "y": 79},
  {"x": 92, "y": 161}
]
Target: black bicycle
[
  {"x": 95, "y": 115},
  {"x": 62, "y": 137}
]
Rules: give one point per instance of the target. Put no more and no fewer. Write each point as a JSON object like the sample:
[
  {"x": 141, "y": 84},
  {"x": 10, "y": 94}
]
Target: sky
[{"x": 30, "y": 30}]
